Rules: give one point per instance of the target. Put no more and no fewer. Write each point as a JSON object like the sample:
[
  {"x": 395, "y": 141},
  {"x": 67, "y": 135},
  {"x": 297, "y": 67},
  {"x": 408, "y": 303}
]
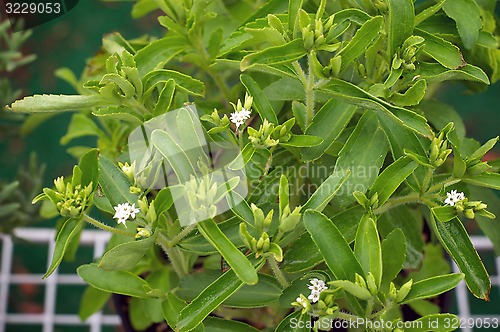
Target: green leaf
[
  {"x": 301, "y": 255},
  {"x": 157, "y": 53},
  {"x": 260, "y": 101},
  {"x": 410, "y": 222},
  {"x": 56, "y": 103},
  {"x": 287, "y": 53},
  {"x": 163, "y": 201},
  {"x": 428, "y": 12},
  {"x": 299, "y": 113},
  {"x": 391, "y": 178},
  {"x": 457, "y": 243},
  {"x": 367, "y": 248},
  {"x": 433, "y": 286},
  {"x": 440, "y": 114},
  {"x": 174, "y": 153},
  {"x": 183, "y": 82},
  {"x": 393, "y": 255},
  {"x": 489, "y": 228},
  {"x": 265, "y": 292},
  {"x": 284, "y": 193},
  {"x": 441, "y": 50},
  {"x": 412, "y": 96},
  {"x": 328, "y": 123},
  {"x": 209, "y": 299},
  {"x": 165, "y": 98},
  {"x": 480, "y": 152},
  {"x": 400, "y": 23},
  {"x": 119, "y": 282},
  {"x": 444, "y": 213},
  {"x": 434, "y": 73},
  {"x": 114, "y": 183},
  {"x": 328, "y": 238},
  {"x": 64, "y": 237},
  {"x": 93, "y": 300},
  {"x": 90, "y": 169},
  {"x": 295, "y": 322},
  {"x": 363, "y": 155},
  {"x": 235, "y": 258},
  {"x": 361, "y": 40},
  {"x": 438, "y": 322},
  {"x": 172, "y": 308},
  {"x": 327, "y": 190},
  {"x": 126, "y": 255},
  {"x": 80, "y": 125},
  {"x": 302, "y": 141},
  {"x": 353, "y": 288},
  {"x": 467, "y": 16},
  {"x": 354, "y": 95},
  {"x": 488, "y": 180},
  {"x": 294, "y": 7},
  {"x": 215, "y": 324}
]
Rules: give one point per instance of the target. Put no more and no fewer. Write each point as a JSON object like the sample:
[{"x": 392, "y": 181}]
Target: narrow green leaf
[
  {"x": 157, "y": 53},
  {"x": 209, "y": 299},
  {"x": 438, "y": 322},
  {"x": 114, "y": 183},
  {"x": 441, "y": 50},
  {"x": 284, "y": 193},
  {"x": 80, "y": 125},
  {"x": 165, "y": 98},
  {"x": 488, "y": 180},
  {"x": 412, "y": 96},
  {"x": 302, "y": 141},
  {"x": 327, "y": 190},
  {"x": 120, "y": 282},
  {"x": 183, "y": 82},
  {"x": 353, "y": 288},
  {"x": 295, "y": 322},
  {"x": 127, "y": 255},
  {"x": 328, "y": 124},
  {"x": 480, "y": 152},
  {"x": 163, "y": 201},
  {"x": 235, "y": 258},
  {"x": 293, "y": 16},
  {"x": 467, "y": 16},
  {"x": 260, "y": 101},
  {"x": 215, "y": 324},
  {"x": 428, "y": 12},
  {"x": 363, "y": 155},
  {"x": 391, "y": 178},
  {"x": 90, "y": 170},
  {"x": 434, "y": 73},
  {"x": 299, "y": 113},
  {"x": 444, "y": 213},
  {"x": 354, "y": 95},
  {"x": 367, "y": 248},
  {"x": 457, "y": 243},
  {"x": 302, "y": 255},
  {"x": 172, "y": 308},
  {"x": 393, "y": 255},
  {"x": 361, "y": 40},
  {"x": 434, "y": 286},
  {"x": 328, "y": 238},
  {"x": 287, "y": 53},
  {"x": 93, "y": 300},
  {"x": 64, "y": 236},
  {"x": 400, "y": 23},
  {"x": 56, "y": 103}
]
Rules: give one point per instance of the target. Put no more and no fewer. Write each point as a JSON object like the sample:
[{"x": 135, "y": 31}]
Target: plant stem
[
  {"x": 309, "y": 92},
  {"x": 448, "y": 182},
  {"x": 180, "y": 235},
  {"x": 102, "y": 226},
  {"x": 174, "y": 255},
  {"x": 396, "y": 201},
  {"x": 277, "y": 271},
  {"x": 345, "y": 316},
  {"x": 427, "y": 179}
]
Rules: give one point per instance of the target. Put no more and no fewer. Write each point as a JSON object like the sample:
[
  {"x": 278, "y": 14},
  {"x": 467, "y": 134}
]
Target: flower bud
[
  {"x": 360, "y": 281},
  {"x": 404, "y": 290},
  {"x": 469, "y": 213},
  {"x": 372, "y": 286},
  {"x": 142, "y": 232}
]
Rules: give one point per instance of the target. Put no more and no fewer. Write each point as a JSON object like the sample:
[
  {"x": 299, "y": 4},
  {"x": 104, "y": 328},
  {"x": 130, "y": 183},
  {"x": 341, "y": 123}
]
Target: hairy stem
[
  {"x": 397, "y": 201},
  {"x": 105, "y": 227},
  {"x": 175, "y": 256},
  {"x": 277, "y": 271},
  {"x": 309, "y": 92}
]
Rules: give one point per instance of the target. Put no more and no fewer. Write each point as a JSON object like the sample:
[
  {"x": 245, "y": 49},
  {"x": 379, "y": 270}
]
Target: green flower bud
[
  {"x": 393, "y": 293},
  {"x": 360, "y": 281},
  {"x": 142, "y": 232},
  {"x": 372, "y": 286},
  {"x": 404, "y": 290},
  {"x": 469, "y": 213},
  {"x": 289, "y": 220}
]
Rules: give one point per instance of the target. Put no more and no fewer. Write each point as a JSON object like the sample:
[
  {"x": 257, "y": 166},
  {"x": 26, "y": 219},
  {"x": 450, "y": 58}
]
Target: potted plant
[{"x": 318, "y": 201}]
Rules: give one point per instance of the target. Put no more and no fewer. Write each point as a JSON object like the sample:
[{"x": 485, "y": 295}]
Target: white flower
[
  {"x": 239, "y": 118},
  {"x": 316, "y": 287},
  {"x": 314, "y": 297},
  {"x": 454, "y": 197},
  {"x": 124, "y": 212},
  {"x": 302, "y": 302}
]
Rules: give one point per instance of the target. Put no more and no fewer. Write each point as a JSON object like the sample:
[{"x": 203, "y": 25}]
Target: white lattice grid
[{"x": 98, "y": 240}]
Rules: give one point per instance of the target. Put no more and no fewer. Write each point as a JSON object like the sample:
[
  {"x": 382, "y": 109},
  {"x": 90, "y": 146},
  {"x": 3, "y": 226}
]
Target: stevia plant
[{"x": 355, "y": 180}]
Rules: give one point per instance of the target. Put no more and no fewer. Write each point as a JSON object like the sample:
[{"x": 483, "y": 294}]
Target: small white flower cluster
[
  {"x": 124, "y": 212},
  {"x": 239, "y": 117},
  {"x": 454, "y": 197},
  {"x": 316, "y": 287}
]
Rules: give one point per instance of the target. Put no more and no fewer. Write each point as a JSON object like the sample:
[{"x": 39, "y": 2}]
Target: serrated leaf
[
  {"x": 400, "y": 23},
  {"x": 412, "y": 96},
  {"x": 286, "y": 53},
  {"x": 434, "y": 72},
  {"x": 434, "y": 286},
  {"x": 127, "y": 255},
  {"x": 114, "y": 183},
  {"x": 89, "y": 165},
  {"x": 183, "y": 82},
  {"x": 56, "y": 103},
  {"x": 467, "y": 16},
  {"x": 157, "y": 53},
  {"x": 441, "y": 50}
]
